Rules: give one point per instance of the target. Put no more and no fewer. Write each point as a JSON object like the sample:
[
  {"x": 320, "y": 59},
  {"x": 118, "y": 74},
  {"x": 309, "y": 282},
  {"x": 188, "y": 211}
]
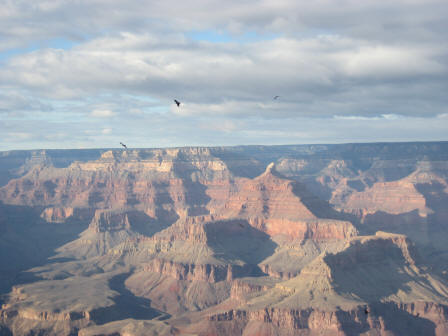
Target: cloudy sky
[{"x": 92, "y": 73}]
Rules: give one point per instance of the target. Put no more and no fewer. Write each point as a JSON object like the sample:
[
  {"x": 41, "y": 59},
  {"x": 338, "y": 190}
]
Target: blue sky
[
  {"x": 58, "y": 43},
  {"x": 92, "y": 73}
]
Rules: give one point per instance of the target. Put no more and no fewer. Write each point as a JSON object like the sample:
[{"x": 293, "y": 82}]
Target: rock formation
[{"x": 282, "y": 240}]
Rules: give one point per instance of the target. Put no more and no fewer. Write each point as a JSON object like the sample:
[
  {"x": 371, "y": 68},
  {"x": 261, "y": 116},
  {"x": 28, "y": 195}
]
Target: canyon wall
[{"x": 273, "y": 240}]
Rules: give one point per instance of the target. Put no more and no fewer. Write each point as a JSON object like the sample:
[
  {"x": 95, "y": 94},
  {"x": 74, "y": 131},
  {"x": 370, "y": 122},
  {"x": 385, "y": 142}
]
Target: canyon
[{"x": 343, "y": 239}]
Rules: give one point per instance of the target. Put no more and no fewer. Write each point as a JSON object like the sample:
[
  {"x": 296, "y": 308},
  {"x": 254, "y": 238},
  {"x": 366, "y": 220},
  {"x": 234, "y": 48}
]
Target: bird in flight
[
  {"x": 276, "y": 97},
  {"x": 123, "y": 145},
  {"x": 177, "y": 102}
]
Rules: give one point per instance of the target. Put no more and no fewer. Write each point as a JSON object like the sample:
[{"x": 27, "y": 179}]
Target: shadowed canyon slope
[{"x": 257, "y": 240}]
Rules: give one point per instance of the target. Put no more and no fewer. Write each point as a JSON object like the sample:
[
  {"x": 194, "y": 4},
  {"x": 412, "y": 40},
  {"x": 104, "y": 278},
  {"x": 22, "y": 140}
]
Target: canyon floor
[{"x": 290, "y": 240}]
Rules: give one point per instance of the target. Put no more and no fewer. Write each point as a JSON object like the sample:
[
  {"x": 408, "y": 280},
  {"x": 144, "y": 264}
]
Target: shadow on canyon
[
  {"x": 370, "y": 271},
  {"x": 322, "y": 209},
  {"x": 238, "y": 240},
  {"x": 27, "y": 241},
  {"x": 395, "y": 320},
  {"x": 436, "y": 198},
  {"x": 127, "y": 305},
  {"x": 409, "y": 223},
  {"x": 5, "y": 331},
  {"x": 147, "y": 226},
  {"x": 373, "y": 272}
]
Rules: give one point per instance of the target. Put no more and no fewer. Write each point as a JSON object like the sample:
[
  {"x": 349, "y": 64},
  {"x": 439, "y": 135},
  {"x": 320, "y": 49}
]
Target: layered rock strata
[{"x": 229, "y": 240}]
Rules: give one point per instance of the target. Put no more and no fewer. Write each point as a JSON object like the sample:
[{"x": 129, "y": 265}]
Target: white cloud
[
  {"x": 56, "y": 136},
  {"x": 136, "y": 111},
  {"x": 226, "y": 126},
  {"x": 379, "y": 19},
  {"x": 13, "y": 102},
  {"x": 358, "y": 117},
  {"x": 102, "y": 113},
  {"x": 385, "y": 61},
  {"x": 333, "y": 63},
  {"x": 390, "y": 116},
  {"x": 20, "y": 135},
  {"x": 239, "y": 79},
  {"x": 355, "y": 117}
]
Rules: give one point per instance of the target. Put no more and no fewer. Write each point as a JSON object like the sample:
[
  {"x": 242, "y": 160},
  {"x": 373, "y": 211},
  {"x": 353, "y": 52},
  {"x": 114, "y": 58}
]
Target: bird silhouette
[
  {"x": 123, "y": 145},
  {"x": 276, "y": 97},
  {"x": 177, "y": 102}
]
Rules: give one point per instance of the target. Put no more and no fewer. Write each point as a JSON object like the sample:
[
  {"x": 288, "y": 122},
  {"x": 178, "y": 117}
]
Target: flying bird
[
  {"x": 123, "y": 145},
  {"x": 177, "y": 102},
  {"x": 276, "y": 97}
]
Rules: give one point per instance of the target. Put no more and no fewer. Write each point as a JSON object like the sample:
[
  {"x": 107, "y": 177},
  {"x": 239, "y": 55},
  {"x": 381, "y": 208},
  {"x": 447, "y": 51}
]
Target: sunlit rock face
[{"x": 281, "y": 240}]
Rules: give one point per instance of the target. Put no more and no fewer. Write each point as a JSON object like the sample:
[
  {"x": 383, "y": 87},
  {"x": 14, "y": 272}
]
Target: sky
[{"x": 94, "y": 73}]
